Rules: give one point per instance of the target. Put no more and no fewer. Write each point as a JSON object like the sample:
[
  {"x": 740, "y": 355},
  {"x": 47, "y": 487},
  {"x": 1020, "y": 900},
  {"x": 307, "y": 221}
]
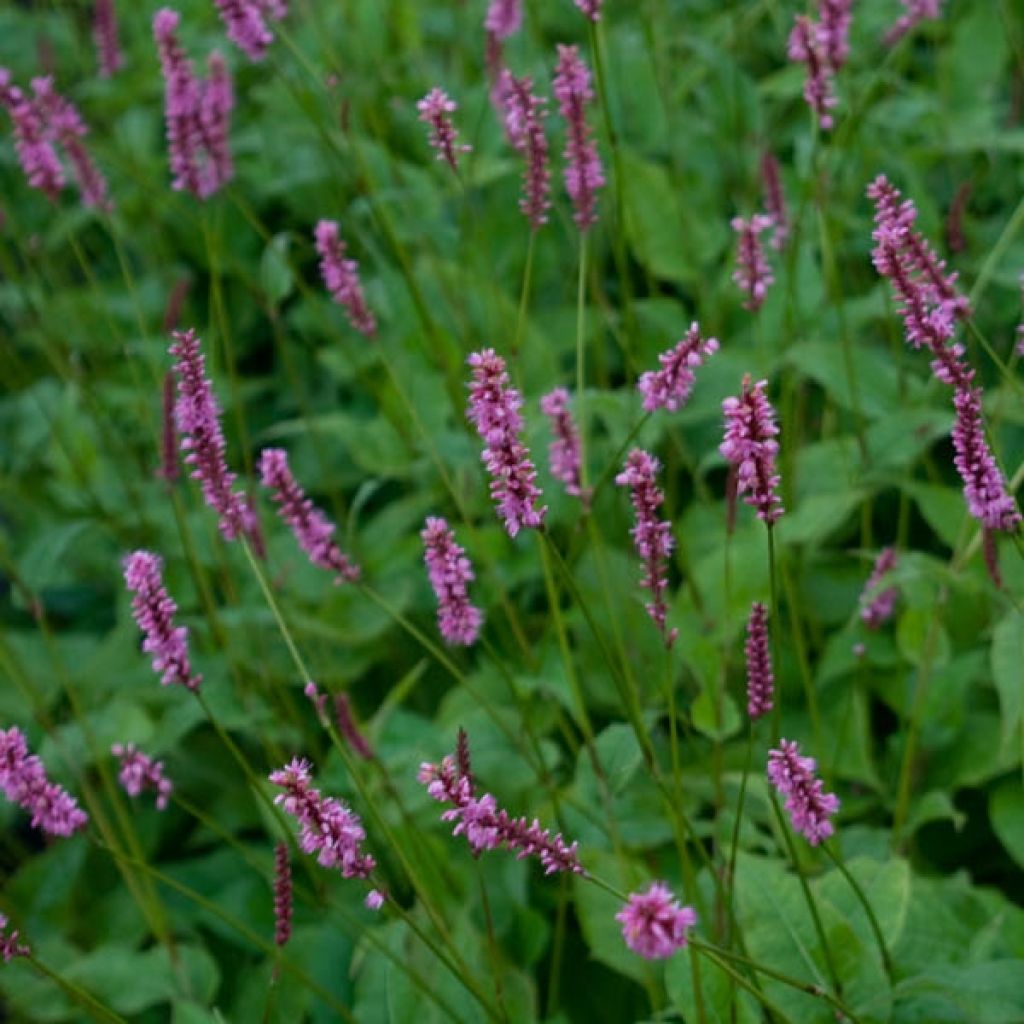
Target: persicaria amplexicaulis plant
[
  {"x": 753, "y": 274},
  {"x": 671, "y": 386},
  {"x": 139, "y": 773},
  {"x": 245, "y": 21},
  {"x": 564, "y": 455},
  {"x": 436, "y": 109},
  {"x": 809, "y": 807},
  {"x": 450, "y": 573},
  {"x": 341, "y": 276},
  {"x": 524, "y": 116}
]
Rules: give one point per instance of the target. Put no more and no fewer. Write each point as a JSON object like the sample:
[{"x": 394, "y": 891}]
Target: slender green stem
[
  {"x": 772, "y": 576},
  {"x": 996, "y": 253},
  {"x": 85, "y": 999},
  {"x": 735, "y": 841},
  {"x": 524, "y": 295},
  {"x": 581, "y": 380},
  {"x": 866, "y": 904}
]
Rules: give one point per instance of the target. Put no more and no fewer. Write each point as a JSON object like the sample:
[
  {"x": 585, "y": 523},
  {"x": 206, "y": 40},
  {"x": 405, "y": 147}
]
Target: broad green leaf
[
  {"x": 1006, "y": 811},
  {"x": 721, "y": 999},
  {"x": 1008, "y": 675}
]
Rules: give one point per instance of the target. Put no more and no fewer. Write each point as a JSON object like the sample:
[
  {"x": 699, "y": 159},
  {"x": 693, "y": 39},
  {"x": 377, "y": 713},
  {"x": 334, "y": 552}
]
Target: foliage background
[{"x": 326, "y": 127}]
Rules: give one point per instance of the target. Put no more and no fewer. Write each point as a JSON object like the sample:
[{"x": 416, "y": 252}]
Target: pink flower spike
[
  {"x": 24, "y": 782},
  {"x": 752, "y": 274},
  {"x": 139, "y": 773},
  {"x": 494, "y": 410},
  {"x": 652, "y": 537},
  {"x": 312, "y": 529},
  {"x": 327, "y": 827},
  {"x": 915, "y": 11},
  {"x": 216, "y": 101},
  {"x": 760, "y": 679},
  {"x": 104, "y": 33},
  {"x": 154, "y": 611},
  {"x": 750, "y": 446},
  {"x": 341, "y": 276},
  {"x": 524, "y": 115},
  {"x": 503, "y": 18},
  {"x": 775, "y": 201},
  {"x": 654, "y": 924},
  {"x": 245, "y": 24},
  {"x": 435, "y": 110},
  {"x": 282, "y": 895},
  {"x": 32, "y": 142},
  {"x": 805, "y": 46},
  {"x": 877, "y": 603},
  {"x": 583, "y": 172},
  {"x": 10, "y": 947},
  {"x": 197, "y": 415},
  {"x": 834, "y": 31},
  {"x": 591, "y": 8},
  {"x": 564, "y": 452},
  {"x": 671, "y": 386},
  {"x": 810, "y": 809},
  {"x": 450, "y": 571}
]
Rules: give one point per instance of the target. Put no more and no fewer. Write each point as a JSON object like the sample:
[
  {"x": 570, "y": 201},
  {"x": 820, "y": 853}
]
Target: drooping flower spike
[
  {"x": 494, "y": 410},
  {"x": 312, "y": 529},
  {"x": 197, "y": 414},
  {"x": 154, "y": 611},
  {"x": 450, "y": 573},
  {"x": 328, "y": 828},
  {"x": 488, "y": 827},
  {"x": 760, "y": 678},
  {"x": 652, "y": 536},
  {"x": 139, "y": 773},
  {"x": 104, "y": 33},
  {"x": 877, "y": 601},
  {"x": 751, "y": 448},
  {"x": 583, "y": 172},
  {"x": 435, "y": 110},
  {"x": 753, "y": 275},
  {"x": 341, "y": 276},
  {"x": 671, "y": 386},
  {"x": 564, "y": 452},
  {"x": 23, "y": 781},
  {"x": 810, "y": 809},
  {"x": 654, "y": 923}
]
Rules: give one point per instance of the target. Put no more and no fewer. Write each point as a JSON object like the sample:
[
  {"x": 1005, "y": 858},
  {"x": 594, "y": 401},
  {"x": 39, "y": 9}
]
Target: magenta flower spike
[
  {"x": 246, "y": 25},
  {"x": 564, "y": 453},
  {"x": 197, "y": 114},
  {"x": 914, "y": 12},
  {"x": 654, "y": 924},
  {"x": 32, "y": 142},
  {"x": 591, "y": 8},
  {"x": 10, "y": 947},
  {"x": 503, "y": 18},
  {"x": 312, "y": 529},
  {"x": 139, "y": 773},
  {"x": 810, "y": 809},
  {"x": 753, "y": 275},
  {"x": 835, "y": 17},
  {"x": 327, "y": 827},
  {"x": 494, "y": 410},
  {"x": 104, "y": 34},
  {"x": 652, "y": 537},
  {"x": 877, "y": 603},
  {"x": 341, "y": 277},
  {"x": 583, "y": 172},
  {"x": 671, "y": 386},
  {"x": 450, "y": 573},
  {"x": 197, "y": 415},
  {"x": 524, "y": 115},
  {"x": 805, "y": 46},
  {"x": 488, "y": 827},
  {"x": 435, "y": 110},
  {"x": 760, "y": 678},
  {"x": 750, "y": 446},
  {"x": 24, "y": 782},
  {"x": 282, "y": 895},
  {"x": 154, "y": 611},
  {"x": 775, "y": 201}
]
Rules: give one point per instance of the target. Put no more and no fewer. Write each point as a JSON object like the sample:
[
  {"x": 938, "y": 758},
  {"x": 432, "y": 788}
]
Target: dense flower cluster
[
  {"x": 282, "y": 895},
  {"x": 877, "y": 602},
  {"x": 751, "y": 448},
  {"x": 197, "y": 113},
  {"x": 810, "y": 809},
  {"x": 450, "y": 572},
  {"x": 753, "y": 275},
  {"x": 139, "y": 773},
  {"x": 760, "y": 678},
  {"x": 197, "y": 415},
  {"x": 312, "y": 529},
  {"x": 104, "y": 33},
  {"x": 494, "y": 410},
  {"x": 654, "y": 924},
  {"x": 245, "y": 21},
  {"x": 154, "y": 611},
  {"x": 488, "y": 827},
  {"x": 435, "y": 110},
  {"x": 915, "y": 11},
  {"x": 564, "y": 453},
  {"x": 524, "y": 115},
  {"x": 652, "y": 536},
  {"x": 328, "y": 828},
  {"x": 41, "y": 123},
  {"x": 341, "y": 276},
  {"x": 24, "y": 782},
  {"x": 671, "y": 386},
  {"x": 583, "y": 172}
]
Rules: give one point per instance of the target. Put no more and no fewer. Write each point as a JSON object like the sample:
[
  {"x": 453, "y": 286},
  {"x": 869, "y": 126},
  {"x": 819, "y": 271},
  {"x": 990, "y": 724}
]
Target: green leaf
[
  {"x": 715, "y": 719},
  {"x": 719, "y": 994},
  {"x": 276, "y": 276},
  {"x": 922, "y": 638},
  {"x": 1008, "y": 675},
  {"x": 1006, "y": 811}
]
